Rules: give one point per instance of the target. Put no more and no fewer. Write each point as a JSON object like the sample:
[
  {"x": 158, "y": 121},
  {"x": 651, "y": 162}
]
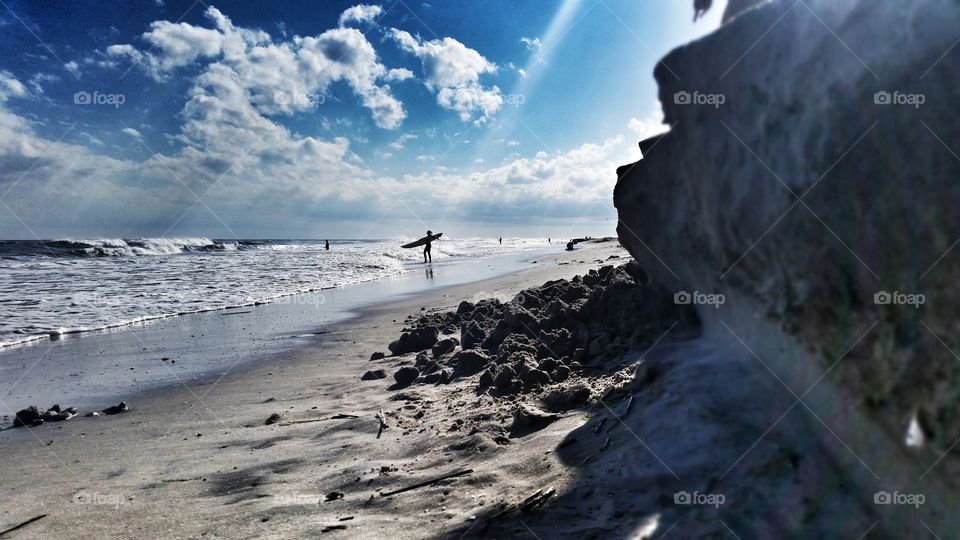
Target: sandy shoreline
[{"x": 197, "y": 460}]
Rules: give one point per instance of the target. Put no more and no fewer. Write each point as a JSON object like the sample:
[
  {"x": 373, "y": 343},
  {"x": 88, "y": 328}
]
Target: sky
[{"x": 326, "y": 119}]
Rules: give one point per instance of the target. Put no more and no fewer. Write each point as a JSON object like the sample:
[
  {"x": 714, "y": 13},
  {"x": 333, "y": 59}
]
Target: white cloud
[
  {"x": 532, "y": 44},
  {"x": 360, "y": 13},
  {"x": 36, "y": 82},
  {"x": 569, "y": 183},
  {"x": 10, "y": 86},
  {"x": 402, "y": 141},
  {"x": 73, "y": 68},
  {"x": 649, "y": 126},
  {"x": 453, "y": 70},
  {"x": 399, "y": 74},
  {"x": 279, "y": 78},
  {"x": 132, "y": 132}
]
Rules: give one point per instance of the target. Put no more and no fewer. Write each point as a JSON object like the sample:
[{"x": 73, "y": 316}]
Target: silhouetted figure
[
  {"x": 501, "y": 239},
  {"x": 328, "y": 245},
  {"x": 570, "y": 245},
  {"x": 426, "y": 248},
  {"x": 548, "y": 241}
]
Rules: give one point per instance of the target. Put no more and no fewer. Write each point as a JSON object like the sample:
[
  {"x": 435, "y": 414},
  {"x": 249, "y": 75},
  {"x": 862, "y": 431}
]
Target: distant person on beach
[
  {"x": 501, "y": 239},
  {"x": 570, "y": 245},
  {"x": 328, "y": 245},
  {"x": 426, "y": 249}
]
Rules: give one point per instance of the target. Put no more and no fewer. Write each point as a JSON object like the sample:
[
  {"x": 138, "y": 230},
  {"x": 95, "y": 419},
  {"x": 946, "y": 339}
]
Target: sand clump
[{"x": 556, "y": 347}]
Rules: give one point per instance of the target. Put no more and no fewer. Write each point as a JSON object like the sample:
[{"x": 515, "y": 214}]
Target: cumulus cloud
[
  {"x": 280, "y": 78},
  {"x": 570, "y": 184},
  {"x": 650, "y": 126},
  {"x": 453, "y": 70},
  {"x": 361, "y": 13},
  {"x": 399, "y": 74},
  {"x": 249, "y": 167}
]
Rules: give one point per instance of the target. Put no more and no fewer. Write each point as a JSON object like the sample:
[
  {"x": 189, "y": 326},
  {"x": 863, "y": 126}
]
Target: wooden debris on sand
[
  {"x": 462, "y": 472},
  {"x": 383, "y": 423},
  {"x": 21, "y": 525}
]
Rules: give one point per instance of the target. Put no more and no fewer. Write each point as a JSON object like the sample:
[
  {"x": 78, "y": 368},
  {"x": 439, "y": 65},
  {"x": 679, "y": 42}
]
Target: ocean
[{"x": 55, "y": 287}]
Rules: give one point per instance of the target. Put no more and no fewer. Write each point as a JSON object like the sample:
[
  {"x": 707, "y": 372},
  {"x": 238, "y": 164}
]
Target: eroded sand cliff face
[{"x": 813, "y": 165}]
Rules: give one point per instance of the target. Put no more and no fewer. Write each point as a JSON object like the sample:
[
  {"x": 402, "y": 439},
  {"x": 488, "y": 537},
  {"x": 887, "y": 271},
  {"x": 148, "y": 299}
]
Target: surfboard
[{"x": 423, "y": 240}]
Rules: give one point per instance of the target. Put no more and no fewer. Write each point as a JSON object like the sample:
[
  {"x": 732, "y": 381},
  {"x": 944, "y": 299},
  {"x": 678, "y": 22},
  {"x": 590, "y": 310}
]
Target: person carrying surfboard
[
  {"x": 426, "y": 248},
  {"x": 425, "y": 242}
]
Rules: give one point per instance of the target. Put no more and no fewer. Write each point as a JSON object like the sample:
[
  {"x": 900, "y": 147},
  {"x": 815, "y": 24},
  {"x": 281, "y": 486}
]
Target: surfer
[{"x": 426, "y": 248}]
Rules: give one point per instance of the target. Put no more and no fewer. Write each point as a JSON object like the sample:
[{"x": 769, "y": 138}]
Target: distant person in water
[
  {"x": 328, "y": 245},
  {"x": 426, "y": 249},
  {"x": 501, "y": 239}
]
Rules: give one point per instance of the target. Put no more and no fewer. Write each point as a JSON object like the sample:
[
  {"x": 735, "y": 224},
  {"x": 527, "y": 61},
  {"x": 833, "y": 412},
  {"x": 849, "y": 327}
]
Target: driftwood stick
[
  {"x": 454, "y": 474},
  {"x": 311, "y": 420},
  {"x": 536, "y": 499},
  {"x": 383, "y": 423},
  {"x": 24, "y": 524}
]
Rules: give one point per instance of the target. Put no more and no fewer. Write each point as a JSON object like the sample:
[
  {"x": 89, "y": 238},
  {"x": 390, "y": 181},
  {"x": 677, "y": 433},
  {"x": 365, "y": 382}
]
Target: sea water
[{"x": 50, "y": 288}]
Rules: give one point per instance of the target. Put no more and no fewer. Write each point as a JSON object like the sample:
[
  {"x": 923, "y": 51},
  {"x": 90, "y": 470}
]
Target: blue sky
[{"x": 325, "y": 119}]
